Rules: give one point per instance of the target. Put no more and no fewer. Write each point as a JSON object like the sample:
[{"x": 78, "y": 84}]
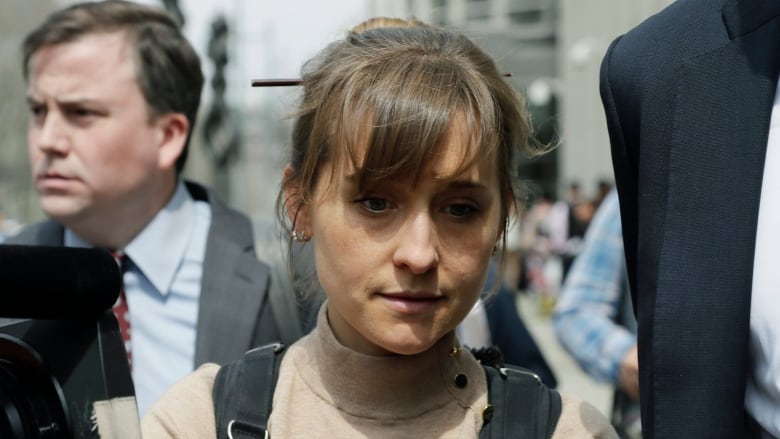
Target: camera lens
[{"x": 31, "y": 403}]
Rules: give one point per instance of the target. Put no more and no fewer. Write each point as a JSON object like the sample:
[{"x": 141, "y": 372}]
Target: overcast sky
[{"x": 270, "y": 38}]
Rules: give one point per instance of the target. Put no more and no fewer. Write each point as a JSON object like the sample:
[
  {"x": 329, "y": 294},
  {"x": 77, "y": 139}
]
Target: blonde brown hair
[{"x": 384, "y": 97}]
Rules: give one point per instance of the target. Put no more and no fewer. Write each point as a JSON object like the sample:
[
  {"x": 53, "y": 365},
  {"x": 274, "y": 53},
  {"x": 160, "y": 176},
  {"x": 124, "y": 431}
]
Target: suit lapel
[
  {"x": 744, "y": 16},
  {"x": 716, "y": 164},
  {"x": 52, "y": 233},
  {"x": 46, "y": 232},
  {"x": 233, "y": 289}
]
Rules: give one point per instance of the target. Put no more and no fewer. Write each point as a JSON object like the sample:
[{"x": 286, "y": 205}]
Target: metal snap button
[{"x": 487, "y": 413}]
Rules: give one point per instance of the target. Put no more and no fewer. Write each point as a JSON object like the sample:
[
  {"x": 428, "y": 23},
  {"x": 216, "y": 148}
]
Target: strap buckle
[
  {"x": 250, "y": 428},
  {"x": 506, "y": 371}
]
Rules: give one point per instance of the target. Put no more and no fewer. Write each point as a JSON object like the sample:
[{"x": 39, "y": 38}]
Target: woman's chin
[{"x": 408, "y": 345}]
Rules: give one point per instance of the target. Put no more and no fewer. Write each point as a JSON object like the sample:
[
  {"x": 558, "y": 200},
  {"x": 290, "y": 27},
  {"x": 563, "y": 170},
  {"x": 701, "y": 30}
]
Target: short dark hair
[{"x": 168, "y": 69}]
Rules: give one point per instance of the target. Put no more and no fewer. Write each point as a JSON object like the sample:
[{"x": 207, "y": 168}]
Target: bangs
[{"x": 393, "y": 124}]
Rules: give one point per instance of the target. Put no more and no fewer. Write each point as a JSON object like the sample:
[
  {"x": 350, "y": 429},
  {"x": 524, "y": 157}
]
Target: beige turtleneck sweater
[{"x": 327, "y": 390}]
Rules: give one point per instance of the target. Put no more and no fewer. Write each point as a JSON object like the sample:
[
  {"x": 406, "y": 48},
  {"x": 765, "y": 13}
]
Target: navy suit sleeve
[{"x": 510, "y": 334}]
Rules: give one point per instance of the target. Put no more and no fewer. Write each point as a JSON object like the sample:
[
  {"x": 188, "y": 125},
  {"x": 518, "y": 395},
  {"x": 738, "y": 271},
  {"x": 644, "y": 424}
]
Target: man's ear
[
  {"x": 294, "y": 204},
  {"x": 173, "y": 131}
]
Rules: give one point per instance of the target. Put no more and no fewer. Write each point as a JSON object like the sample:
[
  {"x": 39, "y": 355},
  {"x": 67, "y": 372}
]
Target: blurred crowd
[{"x": 543, "y": 242}]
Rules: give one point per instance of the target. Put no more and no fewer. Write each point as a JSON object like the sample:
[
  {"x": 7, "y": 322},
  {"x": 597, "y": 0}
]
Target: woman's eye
[
  {"x": 374, "y": 204},
  {"x": 461, "y": 210}
]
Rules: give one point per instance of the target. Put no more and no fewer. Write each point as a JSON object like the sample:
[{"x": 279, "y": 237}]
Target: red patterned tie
[{"x": 120, "y": 307}]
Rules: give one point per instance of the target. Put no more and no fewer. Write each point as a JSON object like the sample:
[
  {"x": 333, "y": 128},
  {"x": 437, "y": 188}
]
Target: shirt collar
[{"x": 159, "y": 248}]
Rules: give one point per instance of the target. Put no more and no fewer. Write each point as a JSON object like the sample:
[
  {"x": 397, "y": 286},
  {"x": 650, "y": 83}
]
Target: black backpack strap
[
  {"x": 522, "y": 406},
  {"x": 243, "y": 392}
]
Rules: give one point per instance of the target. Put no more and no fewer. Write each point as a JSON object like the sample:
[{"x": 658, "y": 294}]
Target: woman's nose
[{"x": 417, "y": 245}]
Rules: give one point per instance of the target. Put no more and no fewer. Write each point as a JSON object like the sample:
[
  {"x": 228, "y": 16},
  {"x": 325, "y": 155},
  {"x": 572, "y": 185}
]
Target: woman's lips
[{"x": 412, "y": 304}]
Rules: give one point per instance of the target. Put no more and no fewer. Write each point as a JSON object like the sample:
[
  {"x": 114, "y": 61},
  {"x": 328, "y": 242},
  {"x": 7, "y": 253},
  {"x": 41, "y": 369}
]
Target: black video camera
[{"x": 63, "y": 367}]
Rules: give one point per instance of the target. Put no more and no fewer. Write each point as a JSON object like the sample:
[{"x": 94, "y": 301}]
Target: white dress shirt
[
  {"x": 762, "y": 397},
  {"x": 162, "y": 286}
]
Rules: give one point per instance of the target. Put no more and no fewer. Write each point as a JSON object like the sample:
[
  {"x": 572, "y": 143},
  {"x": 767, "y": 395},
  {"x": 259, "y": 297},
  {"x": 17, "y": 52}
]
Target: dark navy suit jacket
[{"x": 688, "y": 96}]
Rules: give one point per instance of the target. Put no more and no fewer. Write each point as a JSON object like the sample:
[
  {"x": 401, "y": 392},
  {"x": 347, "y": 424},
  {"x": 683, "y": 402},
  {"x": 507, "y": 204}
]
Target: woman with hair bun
[{"x": 402, "y": 177}]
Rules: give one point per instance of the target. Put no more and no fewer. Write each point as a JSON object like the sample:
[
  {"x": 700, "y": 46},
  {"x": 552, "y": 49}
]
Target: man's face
[{"x": 93, "y": 150}]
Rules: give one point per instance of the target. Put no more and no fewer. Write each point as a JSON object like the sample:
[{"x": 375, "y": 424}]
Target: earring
[{"x": 299, "y": 236}]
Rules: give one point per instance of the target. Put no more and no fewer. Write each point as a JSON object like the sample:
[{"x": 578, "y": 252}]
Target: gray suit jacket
[{"x": 235, "y": 311}]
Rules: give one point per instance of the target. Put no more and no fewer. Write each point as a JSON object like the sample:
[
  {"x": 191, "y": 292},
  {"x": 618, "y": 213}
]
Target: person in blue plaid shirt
[{"x": 593, "y": 318}]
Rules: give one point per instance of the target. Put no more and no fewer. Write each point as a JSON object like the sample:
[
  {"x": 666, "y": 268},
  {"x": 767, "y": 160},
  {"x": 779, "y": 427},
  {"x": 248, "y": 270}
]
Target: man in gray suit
[{"x": 113, "y": 91}]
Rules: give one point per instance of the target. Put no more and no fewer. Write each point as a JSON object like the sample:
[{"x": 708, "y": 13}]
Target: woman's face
[{"x": 402, "y": 265}]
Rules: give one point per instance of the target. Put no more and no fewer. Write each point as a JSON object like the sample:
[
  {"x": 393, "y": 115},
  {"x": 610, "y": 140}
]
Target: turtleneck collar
[{"x": 389, "y": 387}]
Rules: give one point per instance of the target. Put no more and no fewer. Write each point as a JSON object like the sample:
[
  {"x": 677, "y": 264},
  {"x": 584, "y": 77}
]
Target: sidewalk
[{"x": 571, "y": 378}]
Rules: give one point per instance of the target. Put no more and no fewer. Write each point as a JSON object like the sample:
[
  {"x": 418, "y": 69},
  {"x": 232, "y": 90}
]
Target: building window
[
  {"x": 477, "y": 10},
  {"x": 439, "y": 15}
]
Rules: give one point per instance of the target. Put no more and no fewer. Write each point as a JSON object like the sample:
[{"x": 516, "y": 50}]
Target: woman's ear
[
  {"x": 296, "y": 206},
  {"x": 509, "y": 214}
]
